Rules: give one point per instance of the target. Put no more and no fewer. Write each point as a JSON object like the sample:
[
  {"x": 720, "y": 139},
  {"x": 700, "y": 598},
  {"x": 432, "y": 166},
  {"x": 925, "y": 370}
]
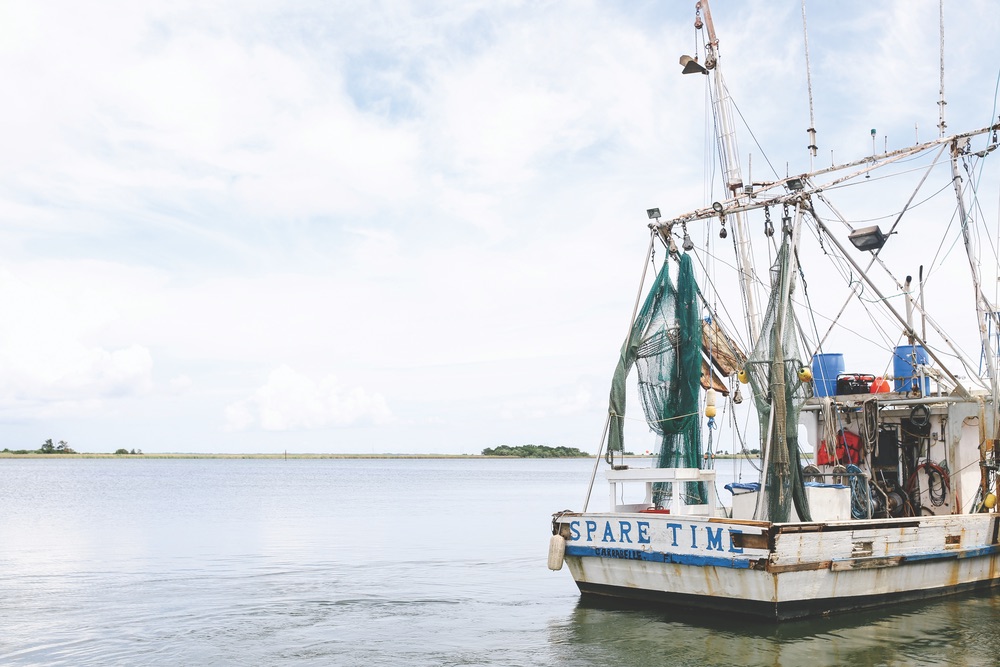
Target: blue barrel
[
  {"x": 826, "y": 368},
  {"x": 904, "y": 362}
]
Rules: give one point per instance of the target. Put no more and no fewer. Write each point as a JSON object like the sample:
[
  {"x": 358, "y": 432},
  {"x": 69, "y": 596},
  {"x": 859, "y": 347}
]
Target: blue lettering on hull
[{"x": 703, "y": 537}]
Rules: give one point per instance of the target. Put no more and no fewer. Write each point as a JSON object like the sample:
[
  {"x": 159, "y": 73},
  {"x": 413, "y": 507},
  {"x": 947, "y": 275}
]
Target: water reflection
[
  {"x": 953, "y": 631},
  {"x": 367, "y": 563}
]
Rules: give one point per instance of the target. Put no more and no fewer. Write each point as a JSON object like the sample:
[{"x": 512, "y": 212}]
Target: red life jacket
[{"x": 848, "y": 450}]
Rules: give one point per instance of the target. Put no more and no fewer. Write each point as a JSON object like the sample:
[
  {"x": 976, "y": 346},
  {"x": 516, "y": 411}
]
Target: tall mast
[
  {"x": 983, "y": 313},
  {"x": 729, "y": 155},
  {"x": 983, "y": 308}
]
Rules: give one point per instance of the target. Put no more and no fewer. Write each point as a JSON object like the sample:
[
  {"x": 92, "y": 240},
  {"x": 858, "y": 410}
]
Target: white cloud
[
  {"x": 439, "y": 202},
  {"x": 560, "y": 402},
  {"x": 47, "y": 353},
  {"x": 180, "y": 384},
  {"x": 292, "y": 401}
]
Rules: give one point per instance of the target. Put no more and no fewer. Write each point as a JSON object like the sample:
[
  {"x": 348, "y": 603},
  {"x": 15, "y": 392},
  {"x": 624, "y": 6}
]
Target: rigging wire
[
  {"x": 754, "y": 137},
  {"x": 982, "y": 214},
  {"x": 747, "y": 237},
  {"x": 712, "y": 168},
  {"x": 844, "y": 273},
  {"x": 732, "y": 329},
  {"x": 875, "y": 258},
  {"x": 993, "y": 114},
  {"x": 809, "y": 309},
  {"x": 868, "y": 181},
  {"x": 961, "y": 356},
  {"x": 895, "y": 213}
]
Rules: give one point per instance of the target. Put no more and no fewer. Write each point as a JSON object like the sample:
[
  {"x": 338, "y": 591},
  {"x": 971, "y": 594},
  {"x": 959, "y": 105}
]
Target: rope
[
  {"x": 937, "y": 489},
  {"x": 830, "y": 424},
  {"x": 861, "y": 500},
  {"x": 870, "y": 423},
  {"x": 656, "y": 421}
]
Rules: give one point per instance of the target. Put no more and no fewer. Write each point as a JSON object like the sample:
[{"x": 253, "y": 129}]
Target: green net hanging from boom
[
  {"x": 779, "y": 394},
  {"x": 665, "y": 347}
]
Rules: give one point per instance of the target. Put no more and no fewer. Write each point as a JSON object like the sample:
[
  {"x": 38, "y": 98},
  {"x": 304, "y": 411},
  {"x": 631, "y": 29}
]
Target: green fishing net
[
  {"x": 778, "y": 392},
  {"x": 665, "y": 347}
]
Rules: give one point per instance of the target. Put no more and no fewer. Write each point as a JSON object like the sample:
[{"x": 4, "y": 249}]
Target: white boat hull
[{"x": 779, "y": 571}]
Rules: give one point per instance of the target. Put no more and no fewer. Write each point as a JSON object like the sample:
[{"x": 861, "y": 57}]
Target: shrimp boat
[{"x": 870, "y": 439}]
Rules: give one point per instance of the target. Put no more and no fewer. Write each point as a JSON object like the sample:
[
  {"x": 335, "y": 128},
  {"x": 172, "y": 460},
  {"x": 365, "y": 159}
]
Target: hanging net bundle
[
  {"x": 665, "y": 347},
  {"x": 779, "y": 395}
]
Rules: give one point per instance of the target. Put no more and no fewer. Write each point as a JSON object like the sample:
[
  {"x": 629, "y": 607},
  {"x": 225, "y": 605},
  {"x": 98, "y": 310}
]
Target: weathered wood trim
[
  {"x": 871, "y": 563},
  {"x": 741, "y": 522},
  {"x": 753, "y": 541},
  {"x": 798, "y": 567},
  {"x": 836, "y": 527}
]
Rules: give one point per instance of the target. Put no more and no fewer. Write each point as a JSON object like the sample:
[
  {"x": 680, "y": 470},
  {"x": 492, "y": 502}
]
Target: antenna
[
  {"x": 812, "y": 119},
  {"x": 941, "y": 101}
]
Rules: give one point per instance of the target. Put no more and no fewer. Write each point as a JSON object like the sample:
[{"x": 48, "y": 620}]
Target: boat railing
[{"x": 651, "y": 476}]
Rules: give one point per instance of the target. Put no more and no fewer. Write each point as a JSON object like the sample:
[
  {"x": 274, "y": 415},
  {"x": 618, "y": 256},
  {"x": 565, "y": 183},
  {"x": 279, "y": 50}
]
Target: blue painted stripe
[
  {"x": 659, "y": 557},
  {"x": 974, "y": 552},
  {"x": 744, "y": 563}
]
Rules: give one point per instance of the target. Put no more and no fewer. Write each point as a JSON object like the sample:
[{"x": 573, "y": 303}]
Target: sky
[{"x": 374, "y": 227}]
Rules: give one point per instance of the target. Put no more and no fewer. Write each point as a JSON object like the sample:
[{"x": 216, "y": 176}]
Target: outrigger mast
[
  {"x": 983, "y": 309},
  {"x": 729, "y": 155}
]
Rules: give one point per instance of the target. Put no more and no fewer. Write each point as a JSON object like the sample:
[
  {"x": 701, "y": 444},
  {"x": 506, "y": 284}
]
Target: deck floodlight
[
  {"x": 795, "y": 184},
  {"x": 691, "y": 65},
  {"x": 653, "y": 213},
  {"x": 867, "y": 238},
  {"x": 717, "y": 207}
]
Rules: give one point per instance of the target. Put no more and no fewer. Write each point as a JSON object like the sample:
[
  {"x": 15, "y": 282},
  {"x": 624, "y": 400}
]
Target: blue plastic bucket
[
  {"x": 904, "y": 362},
  {"x": 826, "y": 368}
]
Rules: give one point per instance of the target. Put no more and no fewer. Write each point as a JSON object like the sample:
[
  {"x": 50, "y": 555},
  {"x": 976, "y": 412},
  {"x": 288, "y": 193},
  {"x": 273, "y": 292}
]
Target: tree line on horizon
[
  {"x": 534, "y": 451},
  {"x": 48, "y": 447},
  {"x": 61, "y": 447}
]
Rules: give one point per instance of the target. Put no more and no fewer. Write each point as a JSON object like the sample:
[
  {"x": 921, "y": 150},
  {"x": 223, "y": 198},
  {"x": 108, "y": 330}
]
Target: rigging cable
[
  {"x": 754, "y": 137},
  {"x": 746, "y": 296},
  {"x": 938, "y": 482},
  {"x": 875, "y": 256},
  {"x": 978, "y": 207},
  {"x": 959, "y": 353},
  {"x": 731, "y": 329}
]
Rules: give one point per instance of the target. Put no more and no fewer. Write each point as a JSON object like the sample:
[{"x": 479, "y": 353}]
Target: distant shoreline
[
  {"x": 193, "y": 455},
  {"x": 180, "y": 455}
]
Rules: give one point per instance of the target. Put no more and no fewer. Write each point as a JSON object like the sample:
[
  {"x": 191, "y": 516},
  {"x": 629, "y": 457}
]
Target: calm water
[{"x": 250, "y": 562}]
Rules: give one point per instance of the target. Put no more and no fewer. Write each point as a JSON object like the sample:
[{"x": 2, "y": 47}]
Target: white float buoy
[{"x": 557, "y": 550}]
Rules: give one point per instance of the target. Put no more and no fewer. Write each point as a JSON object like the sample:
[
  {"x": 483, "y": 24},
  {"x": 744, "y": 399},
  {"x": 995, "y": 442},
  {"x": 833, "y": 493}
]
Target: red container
[{"x": 880, "y": 386}]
